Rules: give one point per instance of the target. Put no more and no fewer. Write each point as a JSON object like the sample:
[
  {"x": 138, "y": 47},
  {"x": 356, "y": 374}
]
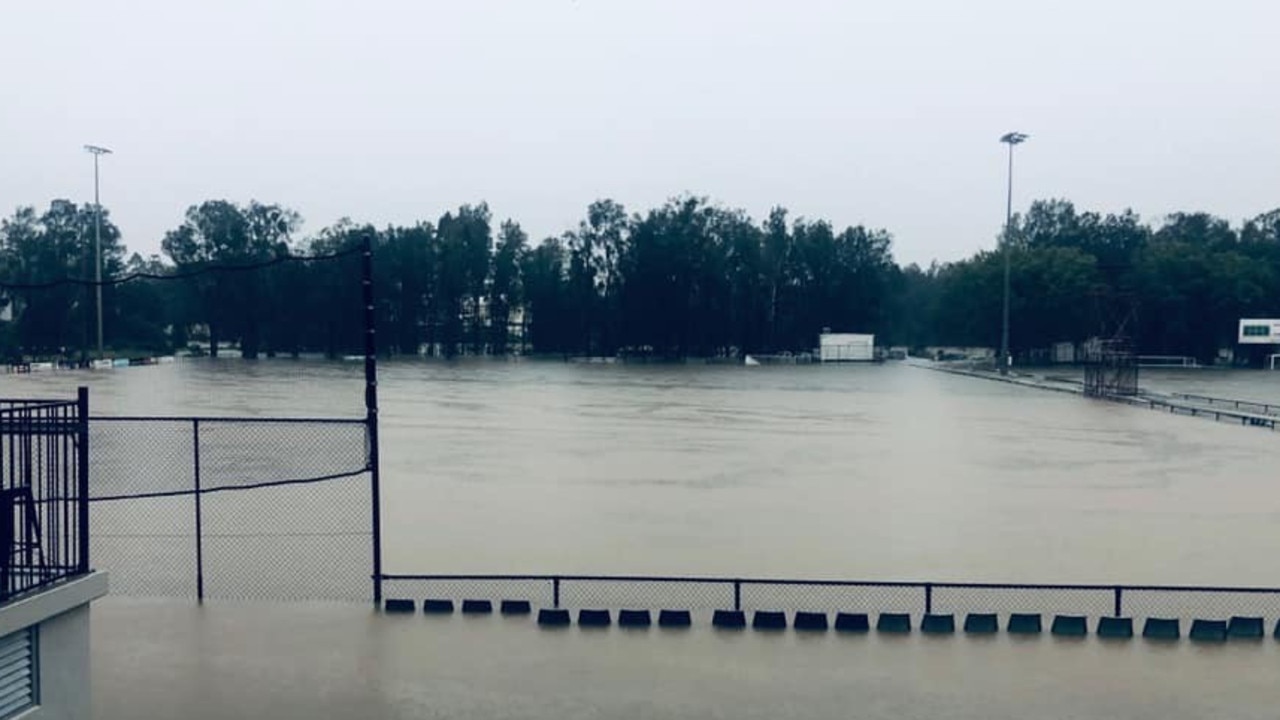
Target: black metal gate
[{"x": 44, "y": 480}]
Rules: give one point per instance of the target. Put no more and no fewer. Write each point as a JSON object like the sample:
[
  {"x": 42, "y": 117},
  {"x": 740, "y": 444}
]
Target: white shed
[{"x": 846, "y": 347}]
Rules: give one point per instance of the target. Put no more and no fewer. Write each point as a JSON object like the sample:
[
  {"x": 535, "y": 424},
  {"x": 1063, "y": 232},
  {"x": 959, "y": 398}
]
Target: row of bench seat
[{"x": 932, "y": 624}]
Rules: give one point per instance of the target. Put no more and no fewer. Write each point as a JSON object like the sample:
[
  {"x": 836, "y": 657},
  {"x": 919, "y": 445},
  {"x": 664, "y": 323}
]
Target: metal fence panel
[
  {"x": 539, "y": 592},
  {"x": 246, "y": 509},
  {"x": 281, "y": 509},
  {"x": 857, "y": 598},
  {"x": 235, "y": 453},
  {"x": 1205, "y": 603},
  {"x": 648, "y": 593},
  {"x": 288, "y": 542},
  {"x": 1005, "y": 600},
  {"x": 140, "y": 457},
  {"x": 148, "y": 545}
]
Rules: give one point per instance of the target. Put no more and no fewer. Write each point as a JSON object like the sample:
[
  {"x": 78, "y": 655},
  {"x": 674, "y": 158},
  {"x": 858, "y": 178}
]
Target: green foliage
[
  {"x": 52, "y": 246},
  {"x": 1074, "y": 274},
  {"x": 689, "y": 278}
]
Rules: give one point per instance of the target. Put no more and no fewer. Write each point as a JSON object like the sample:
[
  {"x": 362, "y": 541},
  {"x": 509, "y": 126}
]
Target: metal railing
[
  {"x": 1218, "y": 413},
  {"x": 233, "y": 508},
  {"x": 44, "y": 510},
  {"x": 915, "y": 598},
  {"x": 1246, "y": 405},
  {"x": 1168, "y": 361}
]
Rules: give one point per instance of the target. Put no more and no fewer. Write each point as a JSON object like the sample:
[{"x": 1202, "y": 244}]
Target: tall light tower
[
  {"x": 97, "y": 152},
  {"x": 1010, "y": 139}
]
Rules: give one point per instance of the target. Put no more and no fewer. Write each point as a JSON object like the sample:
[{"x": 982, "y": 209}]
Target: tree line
[
  {"x": 687, "y": 279},
  {"x": 1176, "y": 288}
]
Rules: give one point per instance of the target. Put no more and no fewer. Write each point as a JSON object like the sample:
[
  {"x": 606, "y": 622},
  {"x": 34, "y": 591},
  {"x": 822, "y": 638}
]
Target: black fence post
[
  {"x": 928, "y": 598},
  {"x": 82, "y": 479},
  {"x": 371, "y": 407},
  {"x": 6, "y": 545},
  {"x": 737, "y": 594},
  {"x": 195, "y": 445},
  {"x": 555, "y": 592},
  {"x": 1119, "y": 601}
]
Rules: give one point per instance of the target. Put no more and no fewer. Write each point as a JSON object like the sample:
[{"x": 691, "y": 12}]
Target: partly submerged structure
[{"x": 846, "y": 347}]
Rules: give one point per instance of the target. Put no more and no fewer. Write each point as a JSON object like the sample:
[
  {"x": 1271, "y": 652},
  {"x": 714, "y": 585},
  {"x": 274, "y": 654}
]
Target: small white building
[
  {"x": 1262, "y": 331},
  {"x": 1259, "y": 331},
  {"x": 846, "y": 347}
]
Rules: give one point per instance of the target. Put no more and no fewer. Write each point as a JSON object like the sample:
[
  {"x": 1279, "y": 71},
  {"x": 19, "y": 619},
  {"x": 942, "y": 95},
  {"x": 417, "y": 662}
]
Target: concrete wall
[
  {"x": 64, "y": 667},
  {"x": 62, "y": 657}
]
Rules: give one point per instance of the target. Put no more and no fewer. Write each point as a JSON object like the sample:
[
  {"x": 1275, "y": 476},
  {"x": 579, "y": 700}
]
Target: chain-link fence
[
  {"x": 232, "y": 508},
  {"x": 702, "y": 595}
]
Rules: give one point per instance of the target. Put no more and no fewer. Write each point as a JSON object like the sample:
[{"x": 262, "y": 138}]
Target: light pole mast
[
  {"x": 97, "y": 152},
  {"x": 1010, "y": 139}
]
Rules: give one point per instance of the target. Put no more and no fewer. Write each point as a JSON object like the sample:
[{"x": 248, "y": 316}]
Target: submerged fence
[
  {"x": 705, "y": 595},
  {"x": 283, "y": 509},
  {"x": 233, "y": 508}
]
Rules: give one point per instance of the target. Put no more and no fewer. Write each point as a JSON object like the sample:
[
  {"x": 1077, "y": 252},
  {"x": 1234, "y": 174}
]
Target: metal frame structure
[
  {"x": 97, "y": 151},
  {"x": 1011, "y": 139},
  {"x": 44, "y": 492},
  {"x": 371, "y": 405},
  {"x": 204, "y": 472},
  {"x": 1110, "y": 368}
]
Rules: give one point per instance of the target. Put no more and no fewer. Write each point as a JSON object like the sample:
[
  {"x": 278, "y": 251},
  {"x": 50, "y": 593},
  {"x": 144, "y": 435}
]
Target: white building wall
[
  {"x": 61, "y": 615},
  {"x": 64, "y": 667},
  {"x": 843, "y": 347}
]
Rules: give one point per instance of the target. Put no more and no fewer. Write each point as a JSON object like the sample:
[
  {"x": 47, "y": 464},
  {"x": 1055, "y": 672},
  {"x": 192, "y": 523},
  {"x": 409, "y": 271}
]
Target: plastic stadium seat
[
  {"x": 769, "y": 620},
  {"x": 1115, "y": 627},
  {"x": 549, "y": 617},
  {"x": 1023, "y": 624},
  {"x": 674, "y": 619},
  {"x": 1069, "y": 626},
  {"x": 1161, "y": 629},
  {"x": 811, "y": 621},
  {"x": 981, "y": 624},
  {"x": 437, "y": 606},
  {"x": 893, "y": 623},
  {"x": 399, "y": 605},
  {"x": 634, "y": 618},
  {"x": 515, "y": 607},
  {"x": 853, "y": 622},
  {"x": 1245, "y": 628},
  {"x": 938, "y": 624},
  {"x": 729, "y": 619},
  {"x": 1208, "y": 630},
  {"x": 594, "y": 618}
]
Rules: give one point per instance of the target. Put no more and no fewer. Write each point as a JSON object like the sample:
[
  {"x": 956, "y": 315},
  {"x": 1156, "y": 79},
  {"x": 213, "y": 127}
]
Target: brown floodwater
[{"x": 859, "y": 472}]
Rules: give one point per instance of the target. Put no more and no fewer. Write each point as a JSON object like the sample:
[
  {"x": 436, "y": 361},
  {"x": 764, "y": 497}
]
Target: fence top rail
[
  {"x": 1213, "y": 398},
  {"x": 837, "y": 583},
  {"x": 227, "y": 419},
  {"x": 24, "y": 405},
  {"x": 1216, "y": 411}
]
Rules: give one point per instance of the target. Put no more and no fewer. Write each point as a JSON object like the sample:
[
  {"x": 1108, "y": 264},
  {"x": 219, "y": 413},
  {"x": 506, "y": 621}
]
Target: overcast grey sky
[{"x": 881, "y": 113}]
